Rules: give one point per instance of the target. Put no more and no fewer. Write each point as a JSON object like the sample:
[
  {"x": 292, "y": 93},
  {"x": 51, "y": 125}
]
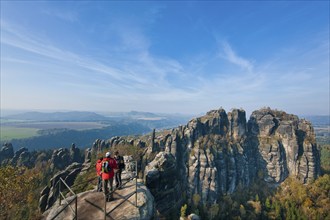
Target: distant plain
[{"x": 19, "y": 129}]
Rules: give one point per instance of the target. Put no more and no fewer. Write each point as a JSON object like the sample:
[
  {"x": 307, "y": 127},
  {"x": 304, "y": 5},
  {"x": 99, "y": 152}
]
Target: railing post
[
  {"x": 136, "y": 176},
  {"x": 105, "y": 205},
  {"x": 59, "y": 189},
  {"x": 76, "y": 210}
]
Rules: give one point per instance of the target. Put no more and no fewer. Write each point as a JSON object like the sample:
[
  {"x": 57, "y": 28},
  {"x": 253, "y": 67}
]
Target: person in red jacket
[
  {"x": 108, "y": 166},
  {"x": 98, "y": 167}
]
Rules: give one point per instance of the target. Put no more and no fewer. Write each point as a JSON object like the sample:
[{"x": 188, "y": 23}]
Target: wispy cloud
[
  {"x": 137, "y": 71},
  {"x": 230, "y": 55}
]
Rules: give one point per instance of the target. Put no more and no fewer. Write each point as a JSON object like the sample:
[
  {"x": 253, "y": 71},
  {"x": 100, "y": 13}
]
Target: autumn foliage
[{"x": 18, "y": 195}]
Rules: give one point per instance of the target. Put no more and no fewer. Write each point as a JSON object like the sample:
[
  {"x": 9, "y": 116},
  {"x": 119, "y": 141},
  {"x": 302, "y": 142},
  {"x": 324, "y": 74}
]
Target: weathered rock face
[
  {"x": 21, "y": 158},
  {"x": 6, "y": 153},
  {"x": 216, "y": 153},
  {"x": 49, "y": 195},
  {"x": 75, "y": 154},
  {"x": 63, "y": 157},
  {"x": 213, "y": 148},
  {"x": 99, "y": 145},
  {"x": 162, "y": 180},
  {"x": 286, "y": 146}
]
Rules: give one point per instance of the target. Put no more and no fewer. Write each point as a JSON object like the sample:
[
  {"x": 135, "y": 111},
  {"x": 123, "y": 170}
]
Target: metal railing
[
  {"x": 75, "y": 198},
  {"x": 125, "y": 199},
  {"x": 61, "y": 195}
]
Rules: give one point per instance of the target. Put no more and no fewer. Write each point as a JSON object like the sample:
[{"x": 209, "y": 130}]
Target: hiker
[
  {"x": 108, "y": 166},
  {"x": 121, "y": 166},
  {"x": 98, "y": 173}
]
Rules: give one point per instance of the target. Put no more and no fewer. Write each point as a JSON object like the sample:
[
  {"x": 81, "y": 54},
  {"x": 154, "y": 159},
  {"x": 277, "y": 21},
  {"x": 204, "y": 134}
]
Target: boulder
[{"x": 193, "y": 217}]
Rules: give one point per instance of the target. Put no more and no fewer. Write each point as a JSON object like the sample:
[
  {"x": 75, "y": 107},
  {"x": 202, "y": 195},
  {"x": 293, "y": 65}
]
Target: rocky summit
[{"x": 214, "y": 154}]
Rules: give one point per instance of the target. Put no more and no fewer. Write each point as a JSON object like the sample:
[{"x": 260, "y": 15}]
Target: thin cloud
[
  {"x": 231, "y": 56},
  {"x": 137, "y": 72},
  {"x": 31, "y": 44}
]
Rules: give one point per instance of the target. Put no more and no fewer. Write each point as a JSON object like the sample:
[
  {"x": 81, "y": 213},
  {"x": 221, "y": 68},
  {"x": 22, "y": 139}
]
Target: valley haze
[{"x": 44, "y": 130}]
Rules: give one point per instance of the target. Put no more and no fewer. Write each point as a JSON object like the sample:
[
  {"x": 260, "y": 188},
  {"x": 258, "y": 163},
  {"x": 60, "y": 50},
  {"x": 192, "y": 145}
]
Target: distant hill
[
  {"x": 57, "y": 138},
  {"x": 57, "y": 129},
  {"x": 137, "y": 115},
  {"x": 58, "y": 116},
  {"x": 318, "y": 120}
]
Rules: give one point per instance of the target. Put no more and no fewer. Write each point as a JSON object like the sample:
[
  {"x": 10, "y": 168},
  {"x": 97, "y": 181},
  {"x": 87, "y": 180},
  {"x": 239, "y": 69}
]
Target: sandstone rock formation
[
  {"x": 210, "y": 156},
  {"x": 63, "y": 157},
  {"x": 50, "y": 193},
  {"x": 286, "y": 146},
  {"x": 6, "y": 153},
  {"x": 21, "y": 158},
  {"x": 162, "y": 180},
  {"x": 216, "y": 153}
]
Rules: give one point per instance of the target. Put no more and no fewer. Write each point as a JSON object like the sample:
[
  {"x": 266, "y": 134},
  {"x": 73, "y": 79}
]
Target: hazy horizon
[
  {"x": 165, "y": 57},
  {"x": 9, "y": 112}
]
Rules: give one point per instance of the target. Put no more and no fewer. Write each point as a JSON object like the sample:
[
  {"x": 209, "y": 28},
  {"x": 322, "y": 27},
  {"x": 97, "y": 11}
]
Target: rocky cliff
[
  {"x": 214, "y": 154},
  {"x": 210, "y": 156}
]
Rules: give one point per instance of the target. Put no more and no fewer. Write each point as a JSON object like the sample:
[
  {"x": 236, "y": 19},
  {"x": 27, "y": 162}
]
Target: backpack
[
  {"x": 106, "y": 167},
  {"x": 120, "y": 162}
]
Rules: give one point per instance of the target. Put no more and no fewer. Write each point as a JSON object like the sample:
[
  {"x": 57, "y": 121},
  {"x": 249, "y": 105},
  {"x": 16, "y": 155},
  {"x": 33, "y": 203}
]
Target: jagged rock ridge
[
  {"x": 210, "y": 156},
  {"x": 216, "y": 153}
]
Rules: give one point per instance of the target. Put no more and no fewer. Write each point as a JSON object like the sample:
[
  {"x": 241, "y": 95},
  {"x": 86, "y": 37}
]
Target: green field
[{"x": 8, "y": 133}]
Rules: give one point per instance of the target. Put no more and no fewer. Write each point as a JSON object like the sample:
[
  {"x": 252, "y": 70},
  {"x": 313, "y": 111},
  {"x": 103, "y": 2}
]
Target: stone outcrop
[
  {"x": 63, "y": 157},
  {"x": 161, "y": 179},
  {"x": 21, "y": 158},
  {"x": 286, "y": 146},
  {"x": 6, "y": 153},
  {"x": 216, "y": 153},
  {"x": 75, "y": 154},
  {"x": 99, "y": 145},
  {"x": 50, "y": 193}
]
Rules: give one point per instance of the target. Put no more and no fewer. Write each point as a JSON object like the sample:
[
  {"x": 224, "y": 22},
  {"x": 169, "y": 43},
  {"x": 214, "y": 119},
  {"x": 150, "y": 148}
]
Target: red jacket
[
  {"x": 113, "y": 165},
  {"x": 98, "y": 167}
]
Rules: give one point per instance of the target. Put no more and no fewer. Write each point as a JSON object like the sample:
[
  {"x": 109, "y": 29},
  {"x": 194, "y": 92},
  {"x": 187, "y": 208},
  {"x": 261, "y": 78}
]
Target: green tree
[
  {"x": 196, "y": 199},
  {"x": 242, "y": 211},
  {"x": 184, "y": 211},
  {"x": 214, "y": 210},
  {"x": 267, "y": 204},
  {"x": 257, "y": 198},
  {"x": 277, "y": 208}
]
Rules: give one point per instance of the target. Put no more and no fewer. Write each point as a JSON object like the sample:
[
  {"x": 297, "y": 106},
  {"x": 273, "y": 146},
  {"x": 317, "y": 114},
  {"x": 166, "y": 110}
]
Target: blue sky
[{"x": 169, "y": 57}]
